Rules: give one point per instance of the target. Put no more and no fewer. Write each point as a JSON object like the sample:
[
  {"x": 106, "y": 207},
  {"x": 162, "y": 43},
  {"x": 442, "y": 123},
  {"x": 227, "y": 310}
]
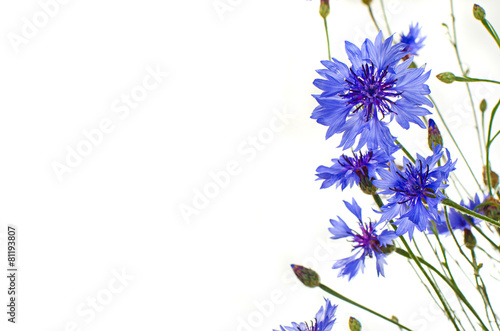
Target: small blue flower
[
  {"x": 416, "y": 191},
  {"x": 367, "y": 243},
  {"x": 356, "y": 100},
  {"x": 459, "y": 221},
  {"x": 347, "y": 170},
  {"x": 323, "y": 322},
  {"x": 414, "y": 41}
]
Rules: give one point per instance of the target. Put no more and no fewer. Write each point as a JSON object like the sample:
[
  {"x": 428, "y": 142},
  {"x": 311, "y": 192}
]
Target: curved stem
[
  {"x": 455, "y": 142},
  {"x": 341, "y": 297},
  {"x": 327, "y": 40},
  {"x": 469, "y": 212},
  {"x": 373, "y": 18}
]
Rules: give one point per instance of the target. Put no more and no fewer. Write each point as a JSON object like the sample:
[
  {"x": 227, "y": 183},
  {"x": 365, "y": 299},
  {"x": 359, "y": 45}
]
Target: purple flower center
[
  {"x": 371, "y": 91},
  {"x": 367, "y": 239},
  {"x": 415, "y": 183},
  {"x": 357, "y": 163},
  {"x": 313, "y": 327}
]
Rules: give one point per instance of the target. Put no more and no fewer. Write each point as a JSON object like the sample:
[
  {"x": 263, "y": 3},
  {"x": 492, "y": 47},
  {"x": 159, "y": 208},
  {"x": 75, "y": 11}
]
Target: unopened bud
[
  {"x": 446, "y": 77},
  {"x": 469, "y": 239},
  {"x": 387, "y": 249},
  {"x": 324, "y": 8},
  {"x": 482, "y": 105},
  {"x": 478, "y": 12},
  {"x": 395, "y": 319},
  {"x": 307, "y": 276},
  {"x": 365, "y": 182},
  {"x": 354, "y": 324},
  {"x": 490, "y": 208},
  {"x": 434, "y": 137},
  {"x": 367, "y": 2},
  {"x": 493, "y": 177}
]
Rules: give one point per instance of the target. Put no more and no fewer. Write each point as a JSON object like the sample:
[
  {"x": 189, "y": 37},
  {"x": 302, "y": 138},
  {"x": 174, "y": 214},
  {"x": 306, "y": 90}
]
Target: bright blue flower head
[
  {"x": 362, "y": 99},
  {"x": 459, "y": 221},
  {"x": 323, "y": 322},
  {"x": 366, "y": 243},
  {"x": 416, "y": 191},
  {"x": 414, "y": 40},
  {"x": 348, "y": 170}
]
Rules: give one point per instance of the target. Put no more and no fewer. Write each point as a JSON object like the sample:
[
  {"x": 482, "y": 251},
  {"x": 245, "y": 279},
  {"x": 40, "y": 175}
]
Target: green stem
[
  {"x": 422, "y": 270},
  {"x": 488, "y": 145},
  {"x": 466, "y": 79},
  {"x": 373, "y": 18},
  {"x": 455, "y": 46},
  {"x": 455, "y": 142},
  {"x": 469, "y": 212},
  {"x": 491, "y": 30},
  {"x": 341, "y": 297},
  {"x": 385, "y": 17},
  {"x": 405, "y": 151},
  {"x": 327, "y": 40}
]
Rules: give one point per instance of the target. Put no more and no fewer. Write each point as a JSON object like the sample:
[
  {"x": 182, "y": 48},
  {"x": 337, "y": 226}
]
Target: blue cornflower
[
  {"x": 323, "y": 321},
  {"x": 414, "y": 41},
  {"x": 416, "y": 191},
  {"x": 366, "y": 243},
  {"x": 459, "y": 221},
  {"x": 347, "y": 170},
  {"x": 356, "y": 100}
]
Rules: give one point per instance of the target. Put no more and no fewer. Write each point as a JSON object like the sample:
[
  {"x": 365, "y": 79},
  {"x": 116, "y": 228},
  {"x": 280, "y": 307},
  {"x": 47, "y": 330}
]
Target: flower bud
[
  {"x": 434, "y": 137},
  {"x": 478, "y": 12},
  {"x": 307, "y": 276},
  {"x": 354, "y": 324},
  {"x": 365, "y": 182},
  {"x": 482, "y": 106},
  {"x": 324, "y": 8},
  {"x": 446, "y": 77},
  {"x": 469, "y": 239},
  {"x": 490, "y": 208},
  {"x": 367, "y": 2},
  {"x": 387, "y": 249},
  {"x": 493, "y": 177}
]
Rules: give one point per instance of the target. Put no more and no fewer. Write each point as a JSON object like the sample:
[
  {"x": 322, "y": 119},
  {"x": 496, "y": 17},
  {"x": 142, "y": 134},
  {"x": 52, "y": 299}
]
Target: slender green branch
[
  {"x": 373, "y": 18},
  {"x": 405, "y": 151},
  {"x": 455, "y": 46},
  {"x": 327, "y": 40},
  {"x": 455, "y": 142},
  {"x": 354, "y": 303},
  {"x": 385, "y": 17},
  {"x": 488, "y": 145},
  {"x": 469, "y": 212},
  {"x": 466, "y": 79},
  {"x": 491, "y": 31}
]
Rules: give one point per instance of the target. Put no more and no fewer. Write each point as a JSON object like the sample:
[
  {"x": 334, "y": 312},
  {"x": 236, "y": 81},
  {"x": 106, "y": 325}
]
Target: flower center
[
  {"x": 371, "y": 92},
  {"x": 416, "y": 181}
]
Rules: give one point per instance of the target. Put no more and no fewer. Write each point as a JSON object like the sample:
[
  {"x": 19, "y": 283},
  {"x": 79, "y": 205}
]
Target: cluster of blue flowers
[{"x": 360, "y": 102}]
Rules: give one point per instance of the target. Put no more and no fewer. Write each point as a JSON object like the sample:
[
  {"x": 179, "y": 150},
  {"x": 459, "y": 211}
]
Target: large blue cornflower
[
  {"x": 366, "y": 243},
  {"x": 459, "y": 221},
  {"x": 323, "y": 321},
  {"x": 414, "y": 41},
  {"x": 362, "y": 99},
  {"x": 416, "y": 191},
  {"x": 347, "y": 170}
]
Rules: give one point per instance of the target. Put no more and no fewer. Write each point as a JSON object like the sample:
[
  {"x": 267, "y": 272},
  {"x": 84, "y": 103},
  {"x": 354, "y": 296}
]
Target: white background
[{"x": 229, "y": 73}]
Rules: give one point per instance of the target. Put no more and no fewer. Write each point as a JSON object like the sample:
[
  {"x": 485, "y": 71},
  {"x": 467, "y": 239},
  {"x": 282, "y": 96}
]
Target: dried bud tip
[
  {"x": 307, "y": 276},
  {"x": 478, "y": 12},
  {"x": 469, "y": 239},
  {"x": 446, "y": 77},
  {"x": 493, "y": 177},
  {"x": 354, "y": 324},
  {"x": 324, "y": 8},
  {"x": 367, "y": 2}
]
